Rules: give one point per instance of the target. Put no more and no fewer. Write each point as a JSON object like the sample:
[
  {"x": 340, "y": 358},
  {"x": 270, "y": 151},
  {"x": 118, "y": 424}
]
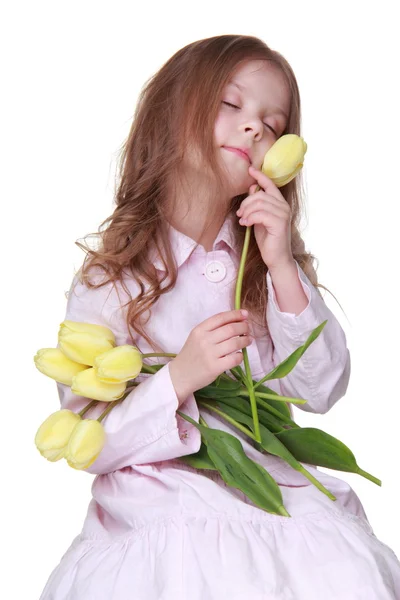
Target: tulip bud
[
  {"x": 82, "y": 342},
  {"x": 53, "y": 363},
  {"x": 118, "y": 364},
  {"x": 85, "y": 444},
  {"x": 284, "y": 159},
  {"x": 53, "y": 434},
  {"x": 87, "y": 384}
]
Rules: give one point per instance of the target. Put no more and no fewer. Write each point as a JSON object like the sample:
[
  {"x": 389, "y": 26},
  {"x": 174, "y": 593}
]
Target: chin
[
  {"x": 238, "y": 178},
  {"x": 241, "y": 185}
]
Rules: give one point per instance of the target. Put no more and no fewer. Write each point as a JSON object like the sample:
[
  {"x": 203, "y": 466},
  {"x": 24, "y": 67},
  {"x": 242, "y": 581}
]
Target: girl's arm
[
  {"x": 144, "y": 427},
  {"x": 322, "y": 374}
]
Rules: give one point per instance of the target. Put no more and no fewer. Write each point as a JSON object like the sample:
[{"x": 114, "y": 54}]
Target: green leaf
[
  {"x": 291, "y": 361},
  {"x": 239, "y": 471},
  {"x": 218, "y": 380},
  {"x": 275, "y": 408},
  {"x": 273, "y": 423},
  {"x": 199, "y": 460},
  {"x": 278, "y": 405},
  {"x": 270, "y": 443},
  {"x": 224, "y": 388},
  {"x": 266, "y": 405},
  {"x": 315, "y": 447},
  {"x": 152, "y": 369}
]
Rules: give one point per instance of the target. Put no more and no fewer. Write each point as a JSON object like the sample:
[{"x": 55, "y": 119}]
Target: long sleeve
[
  {"x": 144, "y": 427},
  {"x": 322, "y": 374}
]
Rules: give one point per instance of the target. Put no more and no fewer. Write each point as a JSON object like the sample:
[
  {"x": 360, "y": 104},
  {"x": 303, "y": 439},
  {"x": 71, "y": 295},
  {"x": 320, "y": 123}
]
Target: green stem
[
  {"x": 88, "y": 407},
  {"x": 261, "y": 381},
  {"x": 229, "y": 419},
  {"x": 148, "y": 369},
  {"x": 275, "y": 397},
  {"x": 369, "y": 477},
  {"x": 130, "y": 388},
  {"x": 202, "y": 421},
  {"x": 94, "y": 402},
  {"x": 276, "y": 413},
  {"x": 238, "y": 373},
  {"x": 248, "y": 378},
  {"x": 251, "y": 392},
  {"x": 109, "y": 408}
]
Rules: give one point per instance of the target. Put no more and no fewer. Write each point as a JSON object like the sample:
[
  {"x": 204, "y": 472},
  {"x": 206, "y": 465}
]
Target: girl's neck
[
  {"x": 192, "y": 227},
  {"x": 189, "y": 210}
]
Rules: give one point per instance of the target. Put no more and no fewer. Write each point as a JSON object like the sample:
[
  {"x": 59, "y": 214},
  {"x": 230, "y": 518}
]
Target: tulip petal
[
  {"x": 53, "y": 454},
  {"x": 85, "y": 444},
  {"x": 83, "y": 347},
  {"x": 120, "y": 364},
  {"x": 87, "y": 384},
  {"x": 284, "y": 159},
  {"x": 90, "y": 328},
  {"x": 281, "y": 181},
  {"x": 55, "y": 364},
  {"x": 53, "y": 435}
]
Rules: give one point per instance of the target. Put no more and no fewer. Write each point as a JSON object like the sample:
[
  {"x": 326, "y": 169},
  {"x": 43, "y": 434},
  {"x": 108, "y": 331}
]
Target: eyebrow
[{"x": 277, "y": 109}]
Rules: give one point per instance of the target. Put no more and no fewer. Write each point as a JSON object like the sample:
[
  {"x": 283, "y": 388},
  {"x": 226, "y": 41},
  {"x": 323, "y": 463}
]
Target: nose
[{"x": 253, "y": 127}]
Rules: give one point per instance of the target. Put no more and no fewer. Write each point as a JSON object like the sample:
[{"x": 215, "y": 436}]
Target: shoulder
[
  {"x": 101, "y": 301},
  {"x": 97, "y": 285},
  {"x": 94, "y": 287}
]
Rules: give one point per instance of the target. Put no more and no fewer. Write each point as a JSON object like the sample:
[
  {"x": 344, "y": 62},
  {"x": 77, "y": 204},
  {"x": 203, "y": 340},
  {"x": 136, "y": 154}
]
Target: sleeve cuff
[
  {"x": 145, "y": 427},
  {"x": 312, "y": 314},
  {"x": 321, "y": 376},
  {"x": 174, "y": 437}
]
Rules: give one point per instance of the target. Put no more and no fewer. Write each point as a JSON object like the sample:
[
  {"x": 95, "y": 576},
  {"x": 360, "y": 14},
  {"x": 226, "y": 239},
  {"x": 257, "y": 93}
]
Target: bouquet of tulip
[{"x": 88, "y": 359}]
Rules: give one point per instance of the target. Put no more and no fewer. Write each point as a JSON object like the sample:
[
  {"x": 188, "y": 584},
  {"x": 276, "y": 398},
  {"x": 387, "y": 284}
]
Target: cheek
[
  {"x": 220, "y": 129},
  {"x": 263, "y": 152}
]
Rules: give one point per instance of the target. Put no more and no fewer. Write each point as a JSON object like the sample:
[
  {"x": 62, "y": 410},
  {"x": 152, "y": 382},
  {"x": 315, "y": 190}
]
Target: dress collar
[{"x": 182, "y": 245}]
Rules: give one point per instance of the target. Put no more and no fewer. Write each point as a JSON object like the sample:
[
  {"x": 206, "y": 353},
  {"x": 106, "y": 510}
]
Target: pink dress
[{"x": 157, "y": 529}]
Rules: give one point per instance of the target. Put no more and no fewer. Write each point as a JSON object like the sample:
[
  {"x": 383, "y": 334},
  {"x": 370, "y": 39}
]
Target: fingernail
[{"x": 244, "y": 312}]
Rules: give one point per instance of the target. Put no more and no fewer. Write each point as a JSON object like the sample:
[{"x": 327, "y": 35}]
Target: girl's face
[{"x": 253, "y": 115}]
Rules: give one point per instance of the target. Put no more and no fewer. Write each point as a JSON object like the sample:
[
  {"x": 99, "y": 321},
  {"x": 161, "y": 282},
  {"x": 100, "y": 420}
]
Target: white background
[{"x": 70, "y": 78}]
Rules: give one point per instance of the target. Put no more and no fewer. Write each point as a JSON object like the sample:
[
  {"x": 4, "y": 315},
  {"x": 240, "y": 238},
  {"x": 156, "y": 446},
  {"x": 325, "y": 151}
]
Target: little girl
[{"x": 157, "y": 528}]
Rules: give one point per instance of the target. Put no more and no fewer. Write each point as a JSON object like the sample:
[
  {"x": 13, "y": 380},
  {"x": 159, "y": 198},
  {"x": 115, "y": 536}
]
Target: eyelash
[{"x": 234, "y": 106}]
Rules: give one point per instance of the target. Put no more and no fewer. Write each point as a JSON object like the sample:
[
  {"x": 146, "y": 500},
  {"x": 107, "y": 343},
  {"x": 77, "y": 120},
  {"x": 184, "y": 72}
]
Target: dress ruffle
[{"x": 325, "y": 552}]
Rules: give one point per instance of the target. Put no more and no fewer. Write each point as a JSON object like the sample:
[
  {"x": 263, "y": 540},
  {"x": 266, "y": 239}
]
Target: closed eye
[
  {"x": 229, "y": 104},
  {"x": 238, "y": 107}
]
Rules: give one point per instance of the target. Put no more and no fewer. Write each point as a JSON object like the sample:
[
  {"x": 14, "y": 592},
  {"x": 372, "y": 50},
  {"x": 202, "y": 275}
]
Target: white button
[{"x": 215, "y": 271}]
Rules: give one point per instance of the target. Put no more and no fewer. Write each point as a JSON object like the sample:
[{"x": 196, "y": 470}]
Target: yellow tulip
[
  {"x": 82, "y": 342},
  {"x": 87, "y": 384},
  {"x": 54, "y": 433},
  {"x": 53, "y": 363},
  {"x": 118, "y": 364},
  {"x": 85, "y": 444},
  {"x": 284, "y": 159},
  {"x": 92, "y": 328}
]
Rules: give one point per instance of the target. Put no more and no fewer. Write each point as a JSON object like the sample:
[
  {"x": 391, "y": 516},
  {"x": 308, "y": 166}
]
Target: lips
[{"x": 240, "y": 152}]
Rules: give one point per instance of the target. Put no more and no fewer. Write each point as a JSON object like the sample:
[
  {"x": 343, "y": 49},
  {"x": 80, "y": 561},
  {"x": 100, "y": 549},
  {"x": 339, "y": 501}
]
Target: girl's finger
[
  {"x": 263, "y": 180},
  {"x": 260, "y": 216}
]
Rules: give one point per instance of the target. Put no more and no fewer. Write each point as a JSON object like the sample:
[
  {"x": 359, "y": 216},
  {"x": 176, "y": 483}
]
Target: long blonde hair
[{"x": 179, "y": 104}]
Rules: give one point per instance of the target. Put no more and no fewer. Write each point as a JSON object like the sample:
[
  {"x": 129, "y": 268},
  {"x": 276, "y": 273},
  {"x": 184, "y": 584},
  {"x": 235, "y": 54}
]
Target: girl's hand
[
  {"x": 212, "y": 347},
  {"x": 271, "y": 215}
]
